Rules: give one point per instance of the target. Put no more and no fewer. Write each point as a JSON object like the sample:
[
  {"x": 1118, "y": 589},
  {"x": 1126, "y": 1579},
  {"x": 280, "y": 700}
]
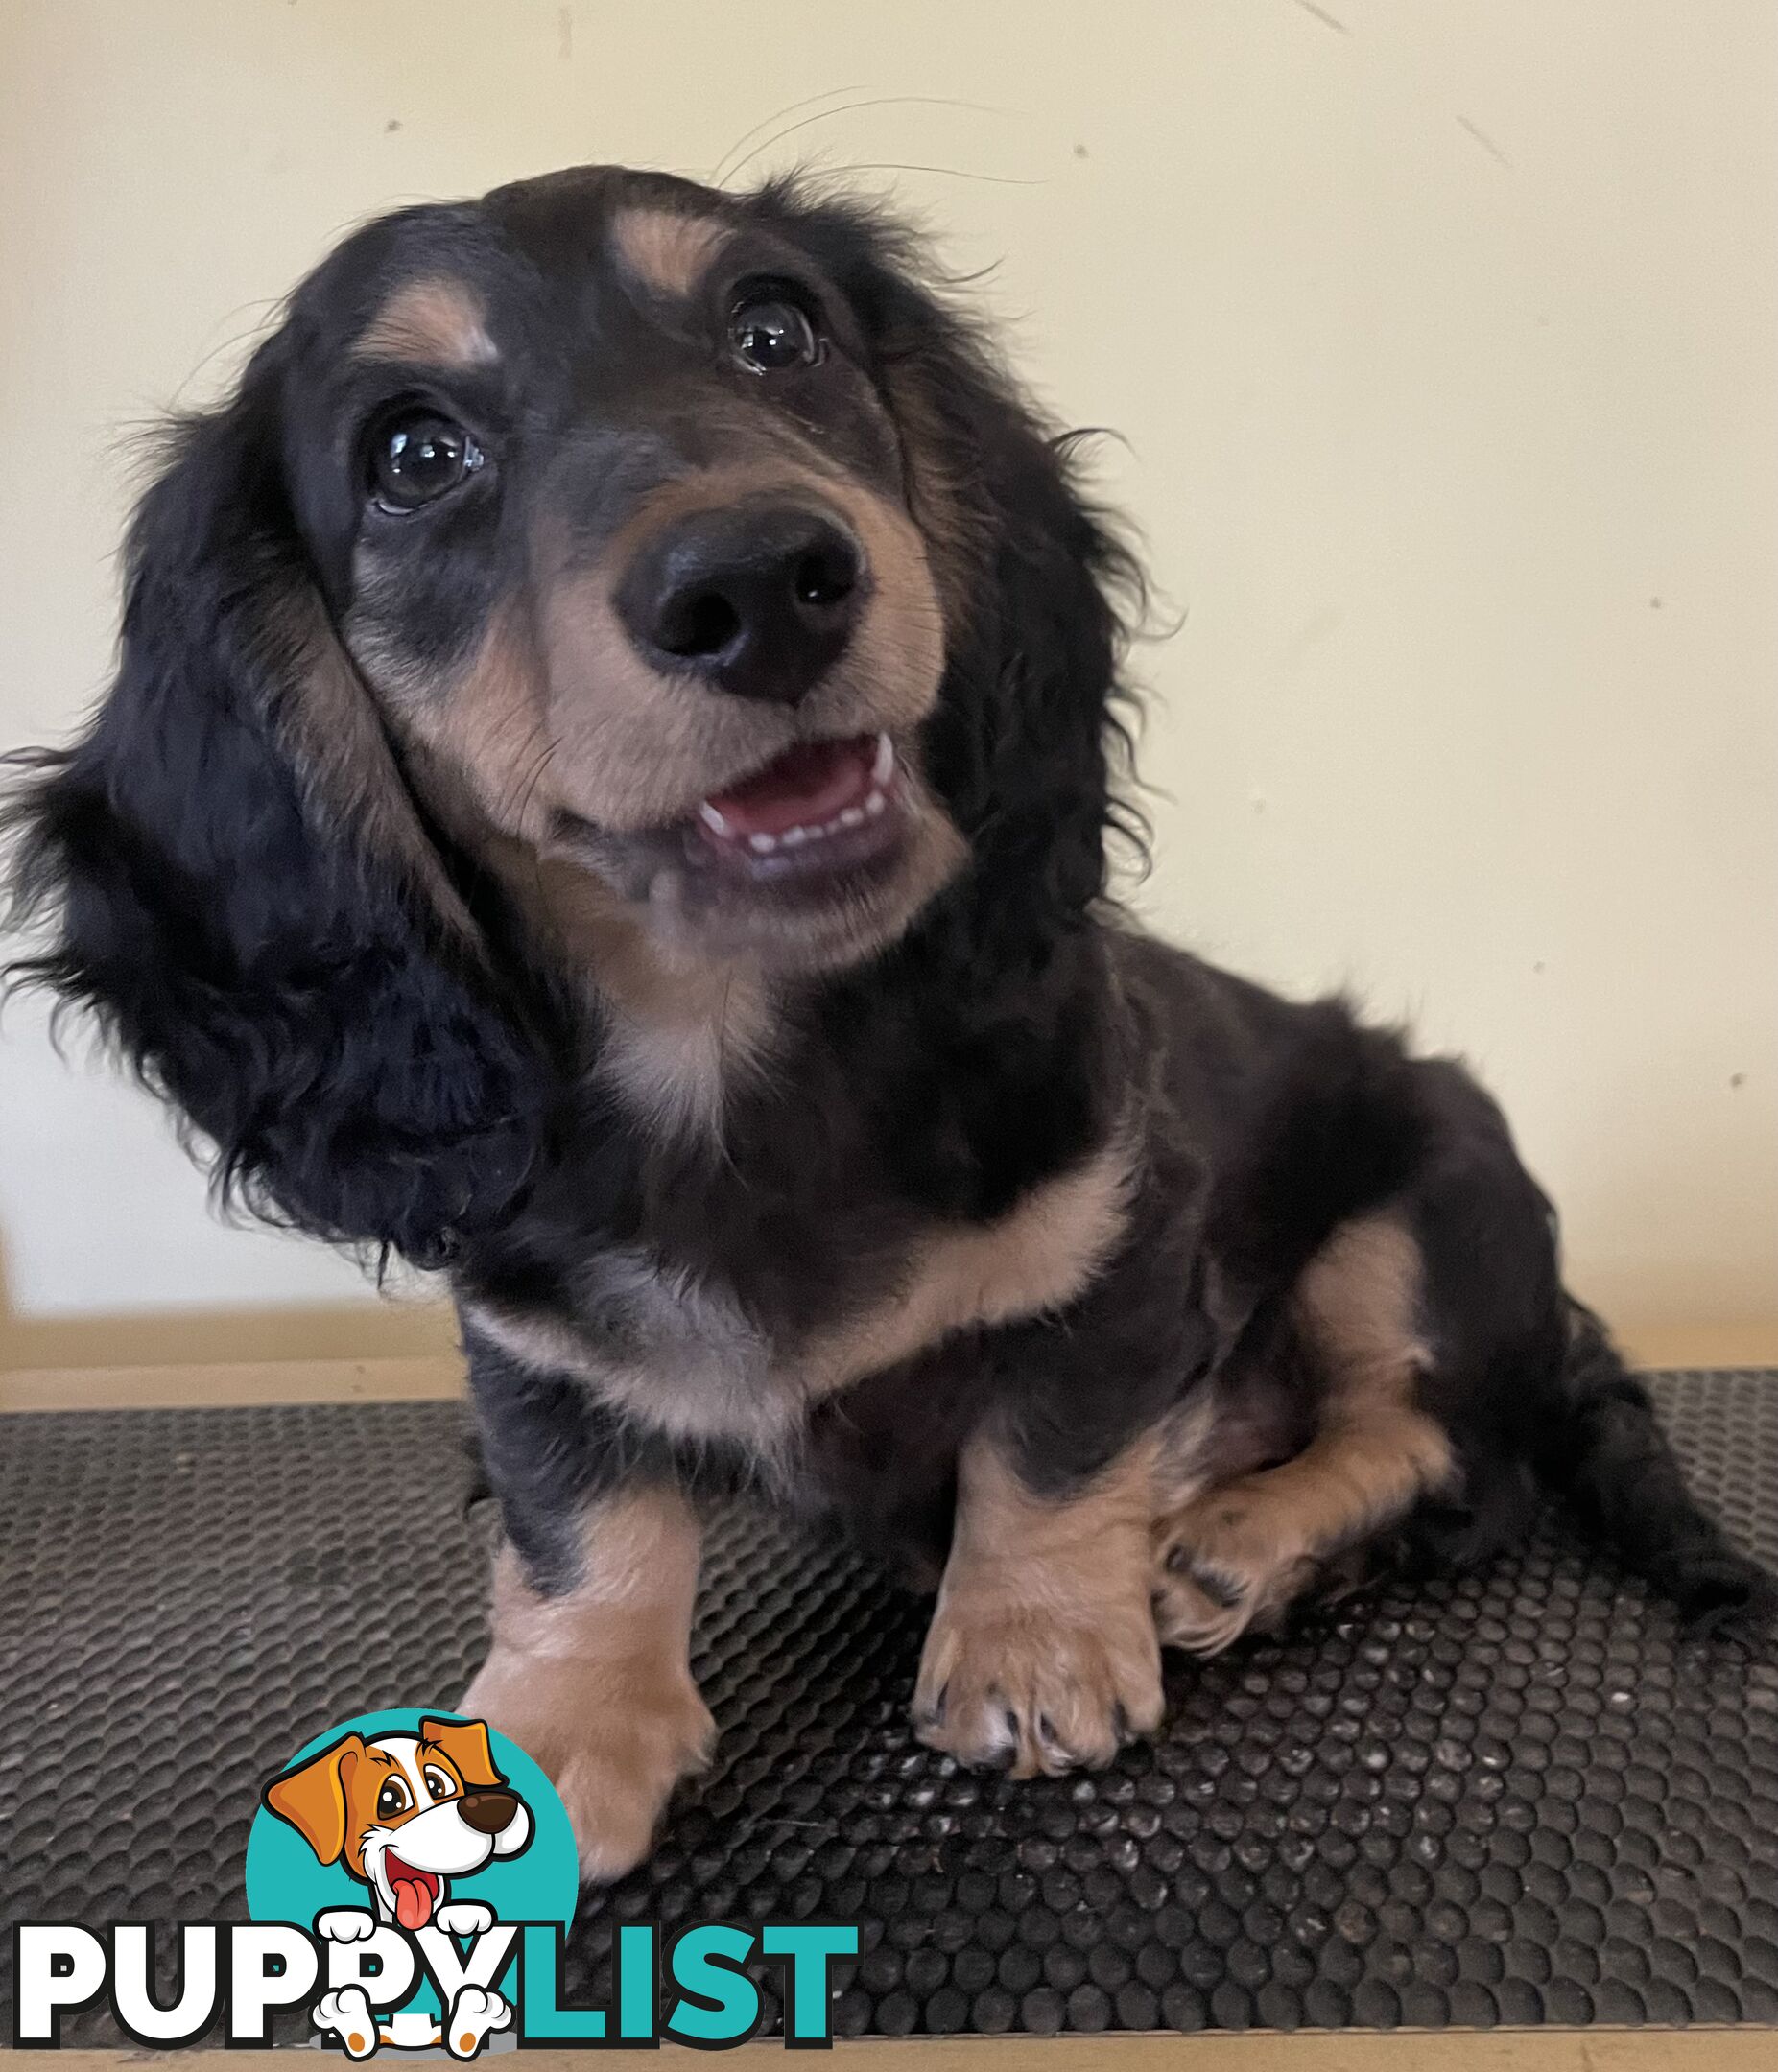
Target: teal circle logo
[{"x": 406, "y": 1815}]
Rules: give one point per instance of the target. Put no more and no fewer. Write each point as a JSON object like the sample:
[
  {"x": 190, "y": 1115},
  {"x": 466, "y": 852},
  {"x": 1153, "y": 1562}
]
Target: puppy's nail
[
  {"x": 1221, "y": 1589},
  {"x": 1179, "y": 1559}
]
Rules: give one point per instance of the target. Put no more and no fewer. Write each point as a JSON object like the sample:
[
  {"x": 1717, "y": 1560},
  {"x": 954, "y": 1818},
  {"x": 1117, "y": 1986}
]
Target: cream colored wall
[{"x": 1442, "y": 335}]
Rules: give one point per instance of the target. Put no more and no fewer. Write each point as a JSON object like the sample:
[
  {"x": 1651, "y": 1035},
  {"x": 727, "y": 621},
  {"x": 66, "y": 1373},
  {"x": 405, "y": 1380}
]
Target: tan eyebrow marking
[
  {"x": 665, "y": 248},
  {"x": 439, "y": 322}
]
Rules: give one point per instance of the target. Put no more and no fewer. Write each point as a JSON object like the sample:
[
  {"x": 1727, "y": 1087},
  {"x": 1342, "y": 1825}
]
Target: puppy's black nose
[
  {"x": 488, "y": 1812},
  {"x": 759, "y": 598}
]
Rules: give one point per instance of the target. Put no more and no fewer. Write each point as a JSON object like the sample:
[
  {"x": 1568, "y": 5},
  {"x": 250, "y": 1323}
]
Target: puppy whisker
[{"x": 852, "y": 107}]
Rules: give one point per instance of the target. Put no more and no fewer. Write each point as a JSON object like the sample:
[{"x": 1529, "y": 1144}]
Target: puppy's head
[
  {"x": 613, "y": 515},
  {"x": 405, "y": 1811},
  {"x": 676, "y": 550}
]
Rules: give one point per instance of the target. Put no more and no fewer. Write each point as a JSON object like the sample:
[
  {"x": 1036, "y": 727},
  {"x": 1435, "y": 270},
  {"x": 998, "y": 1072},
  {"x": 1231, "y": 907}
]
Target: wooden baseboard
[
  {"x": 361, "y": 1331},
  {"x": 361, "y": 1351},
  {"x": 1753, "y": 1344},
  {"x": 230, "y": 1384}
]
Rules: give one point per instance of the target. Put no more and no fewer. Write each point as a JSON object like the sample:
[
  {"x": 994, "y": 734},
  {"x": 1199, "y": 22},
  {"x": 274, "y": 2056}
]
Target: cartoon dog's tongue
[{"x": 413, "y": 1892}]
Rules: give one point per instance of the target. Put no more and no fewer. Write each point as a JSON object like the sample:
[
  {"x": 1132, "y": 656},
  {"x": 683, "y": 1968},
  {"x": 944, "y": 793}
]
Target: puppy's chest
[{"x": 739, "y": 1338}]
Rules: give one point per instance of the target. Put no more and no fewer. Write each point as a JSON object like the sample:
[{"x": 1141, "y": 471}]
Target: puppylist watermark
[{"x": 410, "y": 1878}]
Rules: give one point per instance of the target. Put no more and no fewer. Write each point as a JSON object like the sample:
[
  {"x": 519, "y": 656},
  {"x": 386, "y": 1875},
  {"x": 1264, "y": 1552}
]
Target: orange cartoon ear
[
  {"x": 466, "y": 1742},
  {"x": 313, "y": 1798}
]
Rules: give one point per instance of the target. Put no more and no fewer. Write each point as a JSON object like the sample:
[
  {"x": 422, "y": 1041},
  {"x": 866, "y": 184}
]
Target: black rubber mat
[{"x": 1511, "y": 1798}]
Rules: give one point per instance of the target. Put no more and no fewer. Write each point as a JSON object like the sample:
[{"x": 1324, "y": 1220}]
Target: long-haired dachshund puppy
[{"x": 605, "y": 793}]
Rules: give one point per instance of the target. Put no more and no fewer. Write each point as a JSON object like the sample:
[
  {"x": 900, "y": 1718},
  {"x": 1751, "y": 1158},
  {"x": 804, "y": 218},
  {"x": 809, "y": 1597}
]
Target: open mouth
[
  {"x": 415, "y": 1892},
  {"x": 819, "y": 808}
]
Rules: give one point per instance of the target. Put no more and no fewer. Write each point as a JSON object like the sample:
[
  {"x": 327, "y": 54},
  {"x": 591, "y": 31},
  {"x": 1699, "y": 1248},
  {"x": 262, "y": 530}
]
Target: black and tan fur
[{"x": 1122, "y": 1297}]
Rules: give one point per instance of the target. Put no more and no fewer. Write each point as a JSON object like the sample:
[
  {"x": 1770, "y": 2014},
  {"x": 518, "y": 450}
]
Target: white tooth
[
  {"x": 853, "y": 817},
  {"x": 875, "y": 804},
  {"x": 712, "y": 819},
  {"x": 791, "y": 837},
  {"x": 884, "y": 767},
  {"x": 763, "y": 843}
]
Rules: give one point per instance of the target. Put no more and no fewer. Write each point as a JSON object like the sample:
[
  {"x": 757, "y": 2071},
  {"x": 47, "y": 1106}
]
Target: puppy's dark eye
[
  {"x": 770, "y": 331},
  {"x": 416, "y": 456},
  {"x": 438, "y": 1783},
  {"x": 392, "y": 1799}
]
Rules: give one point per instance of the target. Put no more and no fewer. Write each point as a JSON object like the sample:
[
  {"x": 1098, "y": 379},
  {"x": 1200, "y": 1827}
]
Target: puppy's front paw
[
  {"x": 1003, "y": 1686},
  {"x": 1223, "y": 1565},
  {"x": 615, "y": 1738}
]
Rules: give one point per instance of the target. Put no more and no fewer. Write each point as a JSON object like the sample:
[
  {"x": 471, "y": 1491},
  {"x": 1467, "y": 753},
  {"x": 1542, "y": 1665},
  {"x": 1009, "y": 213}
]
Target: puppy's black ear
[
  {"x": 1028, "y": 737},
  {"x": 235, "y": 878}
]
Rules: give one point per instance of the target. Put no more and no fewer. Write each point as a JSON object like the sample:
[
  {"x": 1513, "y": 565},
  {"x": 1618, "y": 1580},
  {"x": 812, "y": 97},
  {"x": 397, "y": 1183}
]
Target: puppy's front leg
[
  {"x": 589, "y": 1667},
  {"x": 1042, "y": 1651},
  {"x": 589, "y": 1673}
]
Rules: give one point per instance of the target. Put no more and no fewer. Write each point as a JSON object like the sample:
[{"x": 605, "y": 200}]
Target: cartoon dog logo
[{"x": 403, "y": 1813}]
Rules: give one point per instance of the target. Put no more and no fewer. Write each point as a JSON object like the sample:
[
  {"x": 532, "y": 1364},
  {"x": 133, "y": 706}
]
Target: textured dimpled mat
[{"x": 1516, "y": 1797}]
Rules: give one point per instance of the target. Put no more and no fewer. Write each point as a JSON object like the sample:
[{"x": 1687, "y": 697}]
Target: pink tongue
[
  {"x": 413, "y": 1903},
  {"x": 806, "y": 786}
]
